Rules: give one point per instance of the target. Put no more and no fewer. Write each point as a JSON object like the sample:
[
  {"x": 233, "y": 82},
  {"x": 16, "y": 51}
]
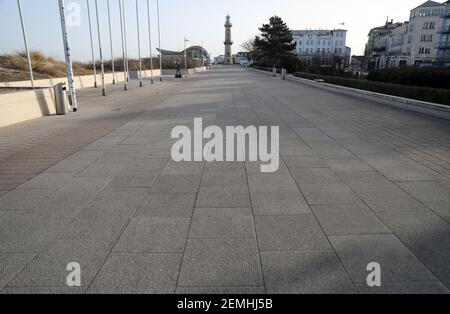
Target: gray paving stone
[
  {"x": 145, "y": 164},
  {"x": 308, "y": 272},
  {"x": 438, "y": 191},
  {"x": 43, "y": 290},
  {"x": 397, "y": 262},
  {"x": 290, "y": 233},
  {"x": 315, "y": 176},
  {"x": 221, "y": 290},
  {"x": 392, "y": 200},
  {"x": 222, "y": 223},
  {"x": 11, "y": 265},
  {"x": 101, "y": 170},
  {"x": 328, "y": 194},
  {"x": 380, "y": 161},
  {"x": 167, "y": 206},
  {"x": 366, "y": 181},
  {"x": 221, "y": 263},
  {"x": 149, "y": 235},
  {"x": 271, "y": 183},
  {"x": 348, "y": 164},
  {"x": 137, "y": 274},
  {"x": 113, "y": 158},
  {"x": 413, "y": 288},
  {"x": 183, "y": 168},
  {"x": 302, "y": 162},
  {"x": 22, "y": 199},
  {"x": 224, "y": 178},
  {"x": 176, "y": 185},
  {"x": 95, "y": 225},
  {"x": 70, "y": 200},
  {"x": 437, "y": 259},
  {"x": 327, "y": 150},
  {"x": 440, "y": 208},
  {"x": 279, "y": 203},
  {"x": 70, "y": 165},
  {"x": 223, "y": 197},
  {"x": 411, "y": 173},
  {"x": 49, "y": 269},
  {"x": 50, "y": 181},
  {"x": 123, "y": 200},
  {"x": 86, "y": 155},
  {"x": 254, "y": 168},
  {"x": 128, "y": 179},
  {"x": 350, "y": 219},
  {"x": 28, "y": 233},
  {"x": 419, "y": 228},
  {"x": 224, "y": 166}
]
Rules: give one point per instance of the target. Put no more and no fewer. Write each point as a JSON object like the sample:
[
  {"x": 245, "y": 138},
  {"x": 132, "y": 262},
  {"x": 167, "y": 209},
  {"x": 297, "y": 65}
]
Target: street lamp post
[
  {"x": 25, "y": 40},
  {"x": 111, "y": 43},
  {"x": 125, "y": 79},
  {"x": 92, "y": 43},
  {"x": 100, "y": 50},
  {"x": 150, "y": 40},
  {"x": 70, "y": 81},
  {"x": 159, "y": 43},
  {"x": 139, "y": 44}
]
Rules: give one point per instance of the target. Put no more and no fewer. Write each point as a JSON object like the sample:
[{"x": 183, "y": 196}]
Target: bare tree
[{"x": 249, "y": 45}]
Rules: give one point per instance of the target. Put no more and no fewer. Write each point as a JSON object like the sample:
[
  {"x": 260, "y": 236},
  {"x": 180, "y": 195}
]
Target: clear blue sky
[{"x": 198, "y": 20}]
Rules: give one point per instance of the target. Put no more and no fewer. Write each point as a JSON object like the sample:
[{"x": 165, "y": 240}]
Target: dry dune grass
[{"x": 14, "y": 67}]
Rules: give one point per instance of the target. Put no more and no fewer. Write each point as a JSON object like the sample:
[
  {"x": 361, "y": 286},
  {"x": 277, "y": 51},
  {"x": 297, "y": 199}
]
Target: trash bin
[
  {"x": 60, "y": 99},
  {"x": 283, "y": 74}
]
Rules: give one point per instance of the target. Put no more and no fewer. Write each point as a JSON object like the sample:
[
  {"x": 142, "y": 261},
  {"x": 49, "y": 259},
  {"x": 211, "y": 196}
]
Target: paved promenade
[{"x": 358, "y": 183}]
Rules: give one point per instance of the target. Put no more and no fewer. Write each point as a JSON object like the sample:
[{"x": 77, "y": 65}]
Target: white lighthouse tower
[{"x": 228, "y": 41}]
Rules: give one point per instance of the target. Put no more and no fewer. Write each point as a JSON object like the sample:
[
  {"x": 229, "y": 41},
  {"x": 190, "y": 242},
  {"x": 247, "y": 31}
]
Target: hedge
[
  {"x": 426, "y": 77},
  {"x": 434, "y": 95}
]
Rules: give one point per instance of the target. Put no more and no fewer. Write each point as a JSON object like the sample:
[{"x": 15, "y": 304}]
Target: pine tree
[{"x": 275, "y": 46}]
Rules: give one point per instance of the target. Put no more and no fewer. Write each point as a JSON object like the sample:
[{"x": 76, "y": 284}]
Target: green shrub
[
  {"x": 434, "y": 95},
  {"x": 428, "y": 77}
]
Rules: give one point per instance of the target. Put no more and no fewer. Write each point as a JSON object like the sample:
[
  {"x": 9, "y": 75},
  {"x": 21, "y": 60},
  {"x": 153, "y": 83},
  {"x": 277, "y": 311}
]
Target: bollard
[
  {"x": 283, "y": 74},
  {"x": 274, "y": 72},
  {"x": 60, "y": 99}
]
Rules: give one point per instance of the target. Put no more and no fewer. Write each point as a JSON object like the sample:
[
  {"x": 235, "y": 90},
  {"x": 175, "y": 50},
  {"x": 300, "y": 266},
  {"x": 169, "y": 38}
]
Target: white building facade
[
  {"x": 443, "y": 45},
  {"x": 423, "y": 34},
  {"x": 422, "y": 41},
  {"x": 322, "y": 47}
]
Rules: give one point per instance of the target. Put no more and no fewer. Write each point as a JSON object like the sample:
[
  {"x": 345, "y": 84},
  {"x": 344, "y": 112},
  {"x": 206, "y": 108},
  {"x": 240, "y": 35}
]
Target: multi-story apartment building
[
  {"x": 443, "y": 45},
  {"x": 422, "y": 41},
  {"x": 322, "y": 47},
  {"x": 423, "y": 37},
  {"x": 386, "y": 46}
]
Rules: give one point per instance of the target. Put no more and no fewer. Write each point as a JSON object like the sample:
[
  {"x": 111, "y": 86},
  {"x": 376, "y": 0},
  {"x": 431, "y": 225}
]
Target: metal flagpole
[
  {"x": 27, "y": 51},
  {"x": 111, "y": 42},
  {"x": 92, "y": 43},
  {"x": 150, "y": 40},
  {"x": 185, "y": 58},
  {"x": 139, "y": 44},
  {"x": 73, "y": 94},
  {"x": 159, "y": 43},
  {"x": 123, "y": 48},
  {"x": 125, "y": 36},
  {"x": 100, "y": 50}
]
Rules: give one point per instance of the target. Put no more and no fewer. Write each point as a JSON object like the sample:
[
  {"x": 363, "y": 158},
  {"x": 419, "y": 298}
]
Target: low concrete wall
[
  {"x": 428, "y": 108},
  {"x": 190, "y": 71},
  {"x": 85, "y": 81},
  {"x": 23, "y": 106}
]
